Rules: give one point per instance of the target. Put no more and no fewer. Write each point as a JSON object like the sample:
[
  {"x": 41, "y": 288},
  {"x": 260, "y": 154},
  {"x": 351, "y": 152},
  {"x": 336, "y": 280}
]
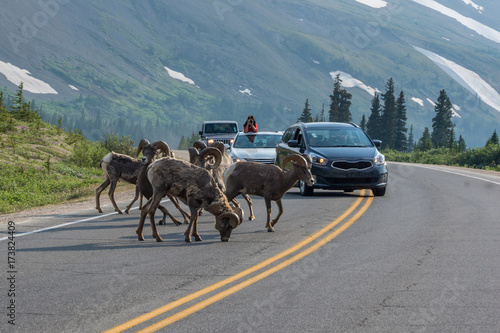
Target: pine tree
[
  {"x": 401, "y": 143},
  {"x": 452, "y": 139},
  {"x": 374, "y": 121},
  {"x": 334, "y": 113},
  {"x": 425, "y": 142},
  {"x": 411, "y": 144},
  {"x": 345, "y": 107},
  {"x": 493, "y": 140},
  {"x": 322, "y": 117},
  {"x": 340, "y": 103},
  {"x": 388, "y": 117},
  {"x": 182, "y": 144},
  {"x": 306, "y": 116},
  {"x": 362, "y": 124},
  {"x": 17, "y": 103},
  {"x": 441, "y": 123},
  {"x": 461, "y": 146}
]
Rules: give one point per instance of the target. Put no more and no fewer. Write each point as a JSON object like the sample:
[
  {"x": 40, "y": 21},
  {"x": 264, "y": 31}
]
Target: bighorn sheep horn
[
  {"x": 297, "y": 158},
  {"x": 193, "y": 152},
  {"x": 211, "y": 151},
  {"x": 219, "y": 145},
  {"x": 143, "y": 143},
  {"x": 200, "y": 145},
  {"x": 308, "y": 158},
  {"x": 234, "y": 220},
  {"x": 163, "y": 146}
]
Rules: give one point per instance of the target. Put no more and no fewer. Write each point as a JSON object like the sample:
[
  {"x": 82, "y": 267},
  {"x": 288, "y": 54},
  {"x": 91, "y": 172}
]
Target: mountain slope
[{"x": 260, "y": 57}]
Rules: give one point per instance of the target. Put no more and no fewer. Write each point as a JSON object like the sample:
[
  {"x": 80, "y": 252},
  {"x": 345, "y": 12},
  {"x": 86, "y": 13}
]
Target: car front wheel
[{"x": 305, "y": 190}]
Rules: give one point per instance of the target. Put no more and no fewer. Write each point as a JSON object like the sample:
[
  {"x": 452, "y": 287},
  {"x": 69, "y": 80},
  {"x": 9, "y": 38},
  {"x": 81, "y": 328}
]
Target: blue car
[{"x": 344, "y": 156}]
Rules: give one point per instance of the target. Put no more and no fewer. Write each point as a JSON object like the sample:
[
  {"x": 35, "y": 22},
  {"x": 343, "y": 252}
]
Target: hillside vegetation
[{"x": 42, "y": 164}]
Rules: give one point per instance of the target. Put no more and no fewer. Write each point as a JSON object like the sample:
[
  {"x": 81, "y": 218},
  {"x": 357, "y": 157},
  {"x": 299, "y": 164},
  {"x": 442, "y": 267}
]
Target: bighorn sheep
[
  {"x": 268, "y": 181},
  {"x": 119, "y": 166},
  {"x": 194, "y": 186},
  {"x": 199, "y": 155},
  {"x": 144, "y": 186}
]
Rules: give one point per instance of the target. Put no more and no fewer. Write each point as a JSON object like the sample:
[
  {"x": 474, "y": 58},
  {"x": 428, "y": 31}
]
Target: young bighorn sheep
[
  {"x": 198, "y": 155},
  {"x": 195, "y": 187},
  {"x": 144, "y": 187},
  {"x": 268, "y": 181}
]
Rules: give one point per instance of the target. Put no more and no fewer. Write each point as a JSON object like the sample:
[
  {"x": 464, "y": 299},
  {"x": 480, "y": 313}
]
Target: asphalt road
[{"x": 423, "y": 258}]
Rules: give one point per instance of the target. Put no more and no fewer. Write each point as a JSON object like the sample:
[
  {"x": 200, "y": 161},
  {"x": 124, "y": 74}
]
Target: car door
[{"x": 289, "y": 144}]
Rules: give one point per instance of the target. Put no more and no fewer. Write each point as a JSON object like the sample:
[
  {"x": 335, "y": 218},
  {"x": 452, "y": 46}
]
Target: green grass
[
  {"x": 25, "y": 186},
  {"x": 42, "y": 164}
]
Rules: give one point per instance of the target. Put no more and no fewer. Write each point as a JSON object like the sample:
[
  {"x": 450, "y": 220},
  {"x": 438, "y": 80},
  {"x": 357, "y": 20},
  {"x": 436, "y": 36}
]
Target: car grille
[
  {"x": 347, "y": 165},
  {"x": 227, "y": 141},
  {"x": 353, "y": 181}
]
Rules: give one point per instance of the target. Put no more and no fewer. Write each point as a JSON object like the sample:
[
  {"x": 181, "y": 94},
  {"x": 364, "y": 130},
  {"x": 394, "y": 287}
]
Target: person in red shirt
[{"x": 250, "y": 126}]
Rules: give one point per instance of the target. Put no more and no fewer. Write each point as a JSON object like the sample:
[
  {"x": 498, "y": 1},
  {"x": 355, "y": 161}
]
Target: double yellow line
[{"x": 184, "y": 313}]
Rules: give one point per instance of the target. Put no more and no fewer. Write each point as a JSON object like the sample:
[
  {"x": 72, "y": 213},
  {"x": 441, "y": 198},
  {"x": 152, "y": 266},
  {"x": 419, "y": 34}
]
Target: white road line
[{"x": 67, "y": 223}]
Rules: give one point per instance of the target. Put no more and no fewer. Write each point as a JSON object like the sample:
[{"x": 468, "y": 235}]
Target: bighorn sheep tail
[{"x": 105, "y": 162}]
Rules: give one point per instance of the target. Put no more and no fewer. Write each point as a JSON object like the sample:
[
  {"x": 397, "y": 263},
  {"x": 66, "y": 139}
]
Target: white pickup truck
[{"x": 219, "y": 130}]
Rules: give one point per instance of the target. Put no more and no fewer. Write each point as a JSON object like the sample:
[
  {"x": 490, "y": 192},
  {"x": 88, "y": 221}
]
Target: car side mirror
[
  {"x": 200, "y": 132},
  {"x": 377, "y": 143},
  {"x": 293, "y": 143}
]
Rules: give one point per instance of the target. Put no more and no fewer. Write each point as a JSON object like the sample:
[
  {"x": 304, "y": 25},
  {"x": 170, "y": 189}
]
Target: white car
[{"x": 258, "y": 147}]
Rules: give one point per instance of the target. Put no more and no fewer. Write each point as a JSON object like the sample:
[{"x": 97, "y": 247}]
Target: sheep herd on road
[{"x": 209, "y": 181}]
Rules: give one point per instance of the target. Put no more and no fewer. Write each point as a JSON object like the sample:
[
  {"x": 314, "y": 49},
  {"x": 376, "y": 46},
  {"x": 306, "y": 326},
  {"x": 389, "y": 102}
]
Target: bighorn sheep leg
[
  {"x": 185, "y": 214},
  {"x": 137, "y": 194},
  {"x": 280, "y": 212},
  {"x": 111, "y": 196},
  {"x": 269, "y": 210},
  {"x": 149, "y": 209},
  {"x": 98, "y": 192},
  {"x": 250, "y": 206},
  {"x": 192, "y": 229}
]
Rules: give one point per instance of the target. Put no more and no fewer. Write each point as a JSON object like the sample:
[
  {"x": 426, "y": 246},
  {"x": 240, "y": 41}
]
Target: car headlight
[
  {"x": 210, "y": 141},
  {"x": 318, "y": 159},
  {"x": 379, "y": 159}
]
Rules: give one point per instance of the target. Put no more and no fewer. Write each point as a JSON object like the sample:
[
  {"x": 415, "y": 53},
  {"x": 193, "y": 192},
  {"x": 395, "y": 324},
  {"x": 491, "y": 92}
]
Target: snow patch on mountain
[
  {"x": 373, "y": 3},
  {"x": 466, "y": 78},
  {"x": 480, "y": 28},
  {"x": 349, "y": 82},
  {"x": 179, "y": 76},
  {"x": 17, "y": 75},
  {"x": 246, "y": 92},
  {"x": 418, "y": 101},
  {"x": 477, "y": 7}
]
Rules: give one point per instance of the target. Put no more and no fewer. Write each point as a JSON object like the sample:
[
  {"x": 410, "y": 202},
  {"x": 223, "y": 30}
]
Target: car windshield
[
  {"x": 337, "y": 137},
  {"x": 257, "y": 141},
  {"x": 221, "y": 128}
]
